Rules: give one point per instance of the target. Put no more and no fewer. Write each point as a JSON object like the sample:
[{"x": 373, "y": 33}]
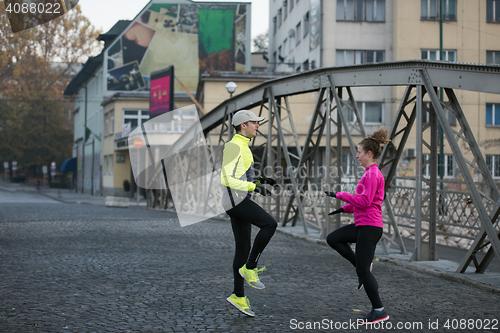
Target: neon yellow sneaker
[
  {"x": 242, "y": 304},
  {"x": 252, "y": 276}
]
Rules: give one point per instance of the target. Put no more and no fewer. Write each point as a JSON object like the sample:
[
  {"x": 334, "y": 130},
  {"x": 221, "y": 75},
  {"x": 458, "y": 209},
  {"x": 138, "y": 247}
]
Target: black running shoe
[{"x": 375, "y": 317}]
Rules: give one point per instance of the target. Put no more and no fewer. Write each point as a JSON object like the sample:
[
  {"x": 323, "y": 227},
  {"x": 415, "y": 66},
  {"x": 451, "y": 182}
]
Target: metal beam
[{"x": 476, "y": 196}]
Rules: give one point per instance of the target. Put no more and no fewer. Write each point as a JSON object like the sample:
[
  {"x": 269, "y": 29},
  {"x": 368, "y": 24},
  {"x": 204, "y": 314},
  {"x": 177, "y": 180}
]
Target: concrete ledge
[{"x": 117, "y": 202}]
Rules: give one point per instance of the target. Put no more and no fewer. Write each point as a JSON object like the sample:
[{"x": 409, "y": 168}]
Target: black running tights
[
  {"x": 366, "y": 238},
  {"x": 242, "y": 217}
]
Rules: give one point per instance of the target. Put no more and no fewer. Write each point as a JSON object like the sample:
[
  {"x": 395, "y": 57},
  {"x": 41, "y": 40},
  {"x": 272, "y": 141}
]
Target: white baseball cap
[{"x": 243, "y": 116}]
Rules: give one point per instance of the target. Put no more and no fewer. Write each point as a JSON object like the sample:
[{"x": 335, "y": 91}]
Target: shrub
[
  {"x": 58, "y": 185},
  {"x": 18, "y": 179},
  {"x": 126, "y": 185}
]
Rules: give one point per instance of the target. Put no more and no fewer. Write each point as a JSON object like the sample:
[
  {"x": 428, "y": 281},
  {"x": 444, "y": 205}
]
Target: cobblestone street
[{"x": 88, "y": 268}]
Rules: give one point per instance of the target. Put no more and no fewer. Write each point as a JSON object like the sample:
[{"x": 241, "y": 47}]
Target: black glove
[
  {"x": 262, "y": 190},
  {"x": 264, "y": 180},
  {"x": 338, "y": 211},
  {"x": 331, "y": 194}
]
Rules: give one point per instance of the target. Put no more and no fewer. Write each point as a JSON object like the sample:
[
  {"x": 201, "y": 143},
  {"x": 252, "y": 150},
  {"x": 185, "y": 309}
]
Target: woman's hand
[
  {"x": 338, "y": 211},
  {"x": 331, "y": 194}
]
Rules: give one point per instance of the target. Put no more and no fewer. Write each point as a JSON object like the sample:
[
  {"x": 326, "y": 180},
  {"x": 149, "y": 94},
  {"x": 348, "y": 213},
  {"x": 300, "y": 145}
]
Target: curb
[
  {"x": 444, "y": 275},
  {"x": 56, "y": 199}
]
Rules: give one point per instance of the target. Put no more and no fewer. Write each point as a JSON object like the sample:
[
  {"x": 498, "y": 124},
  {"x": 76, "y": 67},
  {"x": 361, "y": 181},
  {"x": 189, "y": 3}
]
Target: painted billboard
[{"x": 193, "y": 37}]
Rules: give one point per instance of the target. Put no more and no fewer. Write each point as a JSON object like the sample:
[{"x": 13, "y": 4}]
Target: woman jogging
[
  {"x": 367, "y": 229},
  {"x": 237, "y": 176}
]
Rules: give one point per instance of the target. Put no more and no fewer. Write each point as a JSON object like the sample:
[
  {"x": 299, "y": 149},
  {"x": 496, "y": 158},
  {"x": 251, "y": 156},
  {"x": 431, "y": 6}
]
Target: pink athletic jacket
[{"x": 366, "y": 204}]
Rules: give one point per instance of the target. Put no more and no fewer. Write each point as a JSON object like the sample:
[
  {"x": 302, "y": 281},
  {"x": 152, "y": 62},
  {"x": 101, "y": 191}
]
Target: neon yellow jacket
[{"x": 237, "y": 173}]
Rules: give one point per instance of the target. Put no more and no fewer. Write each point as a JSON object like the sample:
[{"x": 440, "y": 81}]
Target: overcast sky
[{"x": 105, "y": 13}]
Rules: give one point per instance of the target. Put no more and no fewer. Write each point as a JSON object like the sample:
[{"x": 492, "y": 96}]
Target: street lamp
[{"x": 231, "y": 88}]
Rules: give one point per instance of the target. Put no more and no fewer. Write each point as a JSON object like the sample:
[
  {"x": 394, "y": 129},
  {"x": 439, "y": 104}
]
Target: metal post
[
  {"x": 84, "y": 140},
  {"x": 440, "y": 129},
  {"x": 418, "y": 185},
  {"x": 328, "y": 133},
  {"x": 92, "y": 170},
  {"x": 340, "y": 109},
  {"x": 433, "y": 197}
]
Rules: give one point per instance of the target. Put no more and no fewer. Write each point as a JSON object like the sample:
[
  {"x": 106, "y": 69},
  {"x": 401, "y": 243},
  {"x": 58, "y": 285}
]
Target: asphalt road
[{"x": 88, "y": 268}]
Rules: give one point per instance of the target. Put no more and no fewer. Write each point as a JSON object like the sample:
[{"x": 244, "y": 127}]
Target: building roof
[
  {"x": 93, "y": 63},
  {"x": 224, "y": 75},
  {"x": 140, "y": 95},
  {"x": 114, "y": 32}
]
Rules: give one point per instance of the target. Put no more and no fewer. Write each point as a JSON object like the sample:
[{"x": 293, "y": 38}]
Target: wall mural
[{"x": 194, "y": 38}]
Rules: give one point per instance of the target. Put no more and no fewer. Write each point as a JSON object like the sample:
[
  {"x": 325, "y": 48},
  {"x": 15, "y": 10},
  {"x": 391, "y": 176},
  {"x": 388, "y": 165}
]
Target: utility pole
[
  {"x": 84, "y": 141},
  {"x": 440, "y": 129}
]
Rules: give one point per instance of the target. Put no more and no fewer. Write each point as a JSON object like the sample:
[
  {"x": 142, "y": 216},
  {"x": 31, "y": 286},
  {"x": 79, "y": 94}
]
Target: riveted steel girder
[{"x": 420, "y": 78}]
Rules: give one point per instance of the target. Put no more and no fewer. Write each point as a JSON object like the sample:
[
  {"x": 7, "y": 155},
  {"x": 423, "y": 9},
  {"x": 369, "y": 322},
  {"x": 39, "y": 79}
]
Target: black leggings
[
  {"x": 366, "y": 238},
  {"x": 242, "y": 217}
]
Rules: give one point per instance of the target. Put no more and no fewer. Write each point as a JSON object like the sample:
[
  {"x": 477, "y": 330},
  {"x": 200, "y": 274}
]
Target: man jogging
[{"x": 237, "y": 177}]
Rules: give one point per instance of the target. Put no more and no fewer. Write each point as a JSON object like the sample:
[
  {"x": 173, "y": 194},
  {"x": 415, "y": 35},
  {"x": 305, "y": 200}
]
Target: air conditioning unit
[{"x": 410, "y": 153}]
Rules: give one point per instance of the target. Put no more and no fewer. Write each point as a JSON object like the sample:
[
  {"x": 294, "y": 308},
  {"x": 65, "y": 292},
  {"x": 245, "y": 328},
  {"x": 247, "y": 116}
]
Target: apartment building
[{"x": 309, "y": 34}]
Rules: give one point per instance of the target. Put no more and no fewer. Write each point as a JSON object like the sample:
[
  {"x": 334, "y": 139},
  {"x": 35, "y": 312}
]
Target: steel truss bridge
[{"x": 305, "y": 205}]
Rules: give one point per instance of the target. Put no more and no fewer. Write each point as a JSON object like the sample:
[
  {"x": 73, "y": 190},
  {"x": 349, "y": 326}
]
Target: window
[
  {"x": 426, "y": 171},
  {"x": 106, "y": 124},
  {"x": 292, "y": 42},
  {"x": 449, "y": 55},
  {"x": 493, "y": 114},
  {"x": 112, "y": 122},
  {"x": 111, "y": 163},
  {"x": 275, "y": 27},
  {"x": 306, "y": 24},
  {"x": 135, "y": 117},
  {"x": 305, "y": 65},
  {"x": 370, "y": 112},
  {"x": 493, "y": 57},
  {"x": 183, "y": 121},
  {"x": 452, "y": 120},
  {"x": 279, "y": 17},
  {"x": 493, "y": 163},
  {"x": 298, "y": 32},
  {"x": 106, "y": 165},
  {"x": 349, "y": 114},
  {"x": 285, "y": 9},
  {"x": 429, "y": 10},
  {"x": 291, "y": 5},
  {"x": 352, "y": 57},
  {"x": 285, "y": 47},
  {"x": 361, "y": 10},
  {"x": 448, "y": 168},
  {"x": 348, "y": 165},
  {"x": 492, "y": 10},
  {"x": 427, "y": 107}
]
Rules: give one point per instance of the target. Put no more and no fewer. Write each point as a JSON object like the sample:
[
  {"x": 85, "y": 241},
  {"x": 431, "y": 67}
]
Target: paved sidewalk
[
  {"x": 66, "y": 195},
  {"x": 445, "y": 267}
]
